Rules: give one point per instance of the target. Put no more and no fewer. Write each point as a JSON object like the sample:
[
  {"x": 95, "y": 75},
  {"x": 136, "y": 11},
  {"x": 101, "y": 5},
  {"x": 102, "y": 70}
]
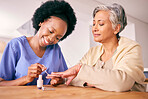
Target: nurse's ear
[
  {"x": 117, "y": 29},
  {"x": 40, "y": 24}
]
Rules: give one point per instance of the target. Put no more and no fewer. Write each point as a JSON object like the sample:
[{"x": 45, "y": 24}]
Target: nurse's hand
[
  {"x": 70, "y": 74},
  {"x": 34, "y": 71},
  {"x": 56, "y": 81}
]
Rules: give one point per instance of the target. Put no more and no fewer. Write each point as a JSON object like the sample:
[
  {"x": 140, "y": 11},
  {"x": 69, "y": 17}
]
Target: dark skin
[{"x": 50, "y": 32}]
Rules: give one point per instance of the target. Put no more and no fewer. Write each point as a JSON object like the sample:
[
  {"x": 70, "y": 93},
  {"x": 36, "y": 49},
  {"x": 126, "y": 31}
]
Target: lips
[
  {"x": 96, "y": 35},
  {"x": 45, "y": 42},
  {"x": 48, "y": 43}
]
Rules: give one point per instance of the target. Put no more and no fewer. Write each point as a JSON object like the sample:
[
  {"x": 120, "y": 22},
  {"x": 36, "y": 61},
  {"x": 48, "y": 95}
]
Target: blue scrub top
[{"x": 18, "y": 56}]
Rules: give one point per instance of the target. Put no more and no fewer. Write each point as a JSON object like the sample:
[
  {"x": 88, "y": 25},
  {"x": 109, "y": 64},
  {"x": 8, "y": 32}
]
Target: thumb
[{"x": 69, "y": 80}]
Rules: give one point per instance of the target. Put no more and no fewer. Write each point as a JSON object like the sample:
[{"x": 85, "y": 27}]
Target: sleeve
[
  {"x": 132, "y": 64},
  {"x": 8, "y": 62},
  {"x": 110, "y": 80},
  {"x": 129, "y": 68},
  {"x": 63, "y": 65}
]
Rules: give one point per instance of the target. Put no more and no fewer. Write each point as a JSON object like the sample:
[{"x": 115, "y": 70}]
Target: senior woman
[{"x": 116, "y": 65}]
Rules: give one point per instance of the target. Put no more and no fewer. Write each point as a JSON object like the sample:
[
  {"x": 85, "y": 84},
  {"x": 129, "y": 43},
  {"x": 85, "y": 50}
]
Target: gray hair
[{"x": 117, "y": 15}]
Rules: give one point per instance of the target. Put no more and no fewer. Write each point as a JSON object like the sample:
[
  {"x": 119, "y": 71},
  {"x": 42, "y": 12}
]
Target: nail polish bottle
[{"x": 39, "y": 82}]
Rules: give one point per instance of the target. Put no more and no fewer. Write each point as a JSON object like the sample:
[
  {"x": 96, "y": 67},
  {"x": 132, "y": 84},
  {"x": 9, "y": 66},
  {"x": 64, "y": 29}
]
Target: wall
[
  {"x": 77, "y": 44},
  {"x": 14, "y": 13},
  {"x": 141, "y": 29}
]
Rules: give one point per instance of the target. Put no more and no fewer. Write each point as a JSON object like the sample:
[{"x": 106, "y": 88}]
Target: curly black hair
[{"x": 58, "y": 8}]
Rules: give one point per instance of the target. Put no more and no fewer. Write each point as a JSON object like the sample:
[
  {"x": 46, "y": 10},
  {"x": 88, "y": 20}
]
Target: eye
[
  {"x": 58, "y": 38},
  {"x": 50, "y": 31},
  {"x": 93, "y": 24},
  {"x": 101, "y": 24}
]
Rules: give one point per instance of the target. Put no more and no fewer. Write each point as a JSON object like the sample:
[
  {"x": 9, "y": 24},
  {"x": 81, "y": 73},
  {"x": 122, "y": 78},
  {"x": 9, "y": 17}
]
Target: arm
[
  {"x": 17, "y": 82},
  {"x": 7, "y": 68},
  {"x": 70, "y": 74},
  {"x": 124, "y": 74},
  {"x": 33, "y": 72},
  {"x": 110, "y": 80}
]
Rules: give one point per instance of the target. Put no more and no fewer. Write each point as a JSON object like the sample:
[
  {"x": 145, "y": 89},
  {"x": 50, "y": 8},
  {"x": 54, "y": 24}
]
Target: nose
[
  {"x": 95, "y": 28},
  {"x": 51, "y": 38}
]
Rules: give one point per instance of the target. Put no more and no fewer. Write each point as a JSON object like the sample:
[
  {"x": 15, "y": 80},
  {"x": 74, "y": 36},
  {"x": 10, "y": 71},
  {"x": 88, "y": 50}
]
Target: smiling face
[
  {"x": 102, "y": 27},
  {"x": 51, "y": 31}
]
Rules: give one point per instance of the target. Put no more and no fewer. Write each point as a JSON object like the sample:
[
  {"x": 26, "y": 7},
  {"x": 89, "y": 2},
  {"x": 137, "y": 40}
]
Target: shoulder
[
  {"x": 127, "y": 47},
  {"x": 127, "y": 42},
  {"x": 17, "y": 42}
]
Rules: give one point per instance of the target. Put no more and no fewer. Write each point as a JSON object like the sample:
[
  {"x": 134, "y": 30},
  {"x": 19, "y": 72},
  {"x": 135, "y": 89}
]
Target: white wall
[
  {"x": 141, "y": 29},
  {"x": 77, "y": 44},
  {"x": 14, "y": 13}
]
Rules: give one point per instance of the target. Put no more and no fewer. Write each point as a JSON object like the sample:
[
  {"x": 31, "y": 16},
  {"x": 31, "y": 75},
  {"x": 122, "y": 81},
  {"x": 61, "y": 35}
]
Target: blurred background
[{"x": 14, "y": 15}]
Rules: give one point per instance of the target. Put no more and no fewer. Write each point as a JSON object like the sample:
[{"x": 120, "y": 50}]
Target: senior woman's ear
[{"x": 117, "y": 29}]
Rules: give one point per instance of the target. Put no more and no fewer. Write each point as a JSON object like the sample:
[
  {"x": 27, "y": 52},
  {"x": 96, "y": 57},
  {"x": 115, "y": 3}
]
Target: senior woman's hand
[
  {"x": 34, "y": 71},
  {"x": 70, "y": 74}
]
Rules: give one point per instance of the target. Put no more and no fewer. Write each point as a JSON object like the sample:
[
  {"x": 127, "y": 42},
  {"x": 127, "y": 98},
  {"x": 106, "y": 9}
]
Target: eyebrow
[
  {"x": 56, "y": 31},
  {"x": 53, "y": 28},
  {"x": 59, "y": 35},
  {"x": 98, "y": 20}
]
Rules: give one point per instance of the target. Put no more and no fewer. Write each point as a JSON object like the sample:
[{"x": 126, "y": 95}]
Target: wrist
[
  {"x": 78, "y": 67},
  {"x": 26, "y": 79}
]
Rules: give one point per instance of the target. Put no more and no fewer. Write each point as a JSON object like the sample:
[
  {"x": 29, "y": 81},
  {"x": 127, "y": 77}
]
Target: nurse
[{"x": 25, "y": 58}]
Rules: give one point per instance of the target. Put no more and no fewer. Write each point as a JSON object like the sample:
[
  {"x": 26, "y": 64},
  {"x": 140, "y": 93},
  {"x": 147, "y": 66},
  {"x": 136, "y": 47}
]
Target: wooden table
[{"x": 65, "y": 92}]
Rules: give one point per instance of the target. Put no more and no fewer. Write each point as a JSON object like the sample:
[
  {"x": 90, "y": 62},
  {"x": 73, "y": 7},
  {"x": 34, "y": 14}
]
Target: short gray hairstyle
[{"x": 117, "y": 15}]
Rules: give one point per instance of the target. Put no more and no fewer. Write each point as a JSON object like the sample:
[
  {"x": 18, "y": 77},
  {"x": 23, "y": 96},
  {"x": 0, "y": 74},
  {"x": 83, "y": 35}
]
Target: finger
[
  {"x": 33, "y": 75},
  {"x": 53, "y": 82},
  {"x": 34, "y": 67},
  {"x": 51, "y": 76},
  {"x": 36, "y": 71},
  {"x": 38, "y": 66},
  {"x": 56, "y": 81},
  {"x": 57, "y": 73},
  {"x": 66, "y": 75},
  {"x": 43, "y": 67},
  {"x": 68, "y": 81}
]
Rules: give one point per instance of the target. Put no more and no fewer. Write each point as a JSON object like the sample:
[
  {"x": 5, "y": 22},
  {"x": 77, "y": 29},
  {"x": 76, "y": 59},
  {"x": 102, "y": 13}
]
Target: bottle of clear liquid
[{"x": 39, "y": 82}]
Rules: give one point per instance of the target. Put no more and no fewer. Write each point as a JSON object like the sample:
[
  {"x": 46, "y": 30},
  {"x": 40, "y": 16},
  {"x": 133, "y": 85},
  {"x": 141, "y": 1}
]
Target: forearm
[
  {"x": 18, "y": 82},
  {"x": 111, "y": 80},
  {"x": 76, "y": 67}
]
